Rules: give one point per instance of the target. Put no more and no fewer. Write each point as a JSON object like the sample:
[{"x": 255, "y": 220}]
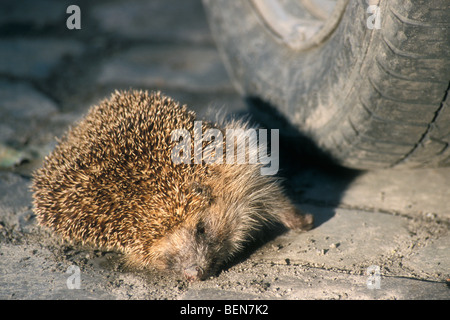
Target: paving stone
[
  {"x": 35, "y": 13},
  {"x": 349, "y": 240},
  {"x": 24, "y": 112},
  {"x": 293, "y": 282},
  {"x": 31, "y": 273},
  {"x": 166, "y": 66},
  {"x": 433, "y": 259},
  {"x": 325, "y": 284},
  {"x": 413, "y": 192},
  {"x": 156, "y": 20},
  {"x": 14, "y": 193},
  {"x": 16, "y": 215},
  {"x": 35, "y": 58},
  {"x": 20, "y": 101},
  {"x": 217, "y": 294}
]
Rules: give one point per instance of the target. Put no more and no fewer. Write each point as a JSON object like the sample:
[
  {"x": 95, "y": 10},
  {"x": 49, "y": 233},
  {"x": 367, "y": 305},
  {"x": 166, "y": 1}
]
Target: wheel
[{"x": 366, "y": 81}]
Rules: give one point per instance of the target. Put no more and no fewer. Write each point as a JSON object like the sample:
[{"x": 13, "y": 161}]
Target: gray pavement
[{"x": 379, "y": 235}]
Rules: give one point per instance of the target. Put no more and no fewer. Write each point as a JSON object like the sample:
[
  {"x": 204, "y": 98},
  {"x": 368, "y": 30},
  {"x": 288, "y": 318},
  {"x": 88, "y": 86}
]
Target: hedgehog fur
[{"x": 110, "y": 182}]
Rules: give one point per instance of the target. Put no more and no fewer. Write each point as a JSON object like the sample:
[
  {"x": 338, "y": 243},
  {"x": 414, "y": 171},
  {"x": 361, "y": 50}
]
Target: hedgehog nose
[{"x": 193, "y": 273}]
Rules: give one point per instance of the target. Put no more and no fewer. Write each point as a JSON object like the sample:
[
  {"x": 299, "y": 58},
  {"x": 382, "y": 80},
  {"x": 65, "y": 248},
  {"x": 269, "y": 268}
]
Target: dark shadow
[{"x": 311, "y": 177}]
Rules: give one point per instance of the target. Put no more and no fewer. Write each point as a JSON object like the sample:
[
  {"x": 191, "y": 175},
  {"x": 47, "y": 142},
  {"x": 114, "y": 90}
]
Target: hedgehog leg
[{"x": 294, "y": 218}]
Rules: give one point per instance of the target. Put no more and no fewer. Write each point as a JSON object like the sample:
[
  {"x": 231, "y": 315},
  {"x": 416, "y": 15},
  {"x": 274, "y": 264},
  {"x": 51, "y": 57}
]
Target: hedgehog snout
[{"x": 193, "y": 273}]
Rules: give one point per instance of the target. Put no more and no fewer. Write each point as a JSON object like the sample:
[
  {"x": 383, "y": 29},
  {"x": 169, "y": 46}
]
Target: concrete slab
[
  {"x": 15, "y": 202},
  {"x": 416, "y": 192},
  {"x": 24, "y": 112},
  {"x": 31, "y": 58},
  {"x": 33, "y": 15},
  {"x": 351, "y": 240},
  {"x": 166, "y": 66},
  {"x": 30, "y": 273},
  {"x": 293, "y": 282},
  {"x": 156, "y": 20},
  {"x": 432, "y": 260}
]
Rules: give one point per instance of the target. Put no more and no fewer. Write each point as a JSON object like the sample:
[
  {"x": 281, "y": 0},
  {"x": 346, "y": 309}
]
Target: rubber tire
[{"x": 370, "y": 98}]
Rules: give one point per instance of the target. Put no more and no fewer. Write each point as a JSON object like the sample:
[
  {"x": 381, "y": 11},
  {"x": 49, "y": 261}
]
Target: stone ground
[{"x": 396, "y": 220}]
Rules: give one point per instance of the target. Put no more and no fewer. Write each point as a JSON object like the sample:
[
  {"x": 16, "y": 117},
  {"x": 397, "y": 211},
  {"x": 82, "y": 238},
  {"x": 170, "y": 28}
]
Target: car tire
[{"x": 370, "y": 96}]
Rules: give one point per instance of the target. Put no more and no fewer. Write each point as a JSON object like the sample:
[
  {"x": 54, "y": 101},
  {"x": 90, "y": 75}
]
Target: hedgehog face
[{"x": 197, "y": 248}]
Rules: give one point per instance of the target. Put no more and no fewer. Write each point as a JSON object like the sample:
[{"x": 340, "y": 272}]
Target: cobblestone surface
[{"x": 49, "y": 76}]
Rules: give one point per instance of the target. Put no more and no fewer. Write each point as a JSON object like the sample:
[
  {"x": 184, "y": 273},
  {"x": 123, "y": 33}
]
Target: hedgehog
[{"x": 111, "y": 182}]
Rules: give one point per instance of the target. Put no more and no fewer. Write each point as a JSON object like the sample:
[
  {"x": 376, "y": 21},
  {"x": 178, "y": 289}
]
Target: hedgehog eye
[{"x": 200, "y": 229}]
